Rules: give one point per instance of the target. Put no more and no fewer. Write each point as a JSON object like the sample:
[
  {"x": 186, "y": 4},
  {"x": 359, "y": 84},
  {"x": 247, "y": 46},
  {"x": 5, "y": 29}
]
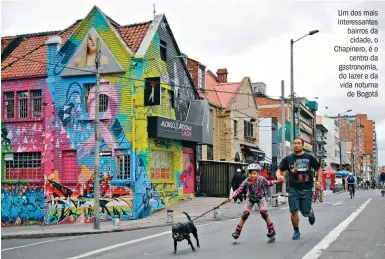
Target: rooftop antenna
[{"x": 154, "y": 10}]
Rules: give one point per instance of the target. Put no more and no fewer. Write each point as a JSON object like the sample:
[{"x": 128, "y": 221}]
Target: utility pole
[
  {"x": 339, "y": 141},
  {"x": 292, "y": 93},
  {"x": 97, "y": 139},
  {"x": 359, "y": 146},
  {"x": 283, "y": 122}
]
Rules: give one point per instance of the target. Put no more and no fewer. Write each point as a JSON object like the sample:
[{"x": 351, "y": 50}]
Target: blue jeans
[{"x": 300, "y": 200}]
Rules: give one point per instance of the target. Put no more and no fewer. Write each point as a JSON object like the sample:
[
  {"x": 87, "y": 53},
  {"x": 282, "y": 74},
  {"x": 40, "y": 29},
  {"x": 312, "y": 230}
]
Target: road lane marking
[
  {"x": 338, "y": 203},
  {"x": 131, "y": 242},
  {"x": 334, "y": 234},
  {"x": 43, "y": 242}
]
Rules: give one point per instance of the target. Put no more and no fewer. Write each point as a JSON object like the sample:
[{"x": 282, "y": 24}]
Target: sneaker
[
  {"x": 312, "y": 219},
  {"x": 296, "y": 235}
]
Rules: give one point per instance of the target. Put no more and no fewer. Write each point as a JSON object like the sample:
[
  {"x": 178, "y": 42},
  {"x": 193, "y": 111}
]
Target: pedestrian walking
[
  {"x": 235, "y": 183},
  {"x": 255, "y": 186},
  {"x": 300, "y": 166},
  {"x": 343, "y": 183},
  {"x": 243, "y": 177}
]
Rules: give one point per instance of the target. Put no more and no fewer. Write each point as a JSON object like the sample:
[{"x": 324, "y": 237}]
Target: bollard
[
  {"x": 170, "y": 216},
  {"x": 217, "y": 214},
  {"x": 115, "y": 222},
  {"x": 274, "y": 200}
]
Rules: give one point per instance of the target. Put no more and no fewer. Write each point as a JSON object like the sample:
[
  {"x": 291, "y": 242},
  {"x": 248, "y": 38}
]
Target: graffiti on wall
[
  {"x": 188, "y": 175},
  {"x": 69, "y": 125},
  {"x": 5, "y": 141},
  {"x": 66, "y": 205},
  {"x": 161, "y": 143},
  {"x": 22, "y": 204}
]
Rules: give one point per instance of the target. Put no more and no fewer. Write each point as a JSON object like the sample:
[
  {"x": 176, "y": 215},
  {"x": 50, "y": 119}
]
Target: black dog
[{"x": 182, "y": 231}]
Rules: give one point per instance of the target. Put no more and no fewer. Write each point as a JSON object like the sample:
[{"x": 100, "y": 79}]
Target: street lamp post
[{"x": 292, "y": 81}]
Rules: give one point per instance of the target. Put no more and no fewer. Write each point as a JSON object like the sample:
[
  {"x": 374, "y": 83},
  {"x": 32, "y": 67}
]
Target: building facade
[
  {"x": 359, "y": 132},
  {"x": 306, "y": 122},
  {"x": 322, "y": 142},
  {"x": 333, "y": 144},
  {"x": 148, "y": 128},
  {"x": 198, "y": 74},
  {"x": 375, "y": 148},
  {"x": 234, "y": 115},
  {"x": 271, "y": 141}
]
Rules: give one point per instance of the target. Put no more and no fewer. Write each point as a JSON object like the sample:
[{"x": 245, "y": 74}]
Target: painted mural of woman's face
[{"x": 91, "y": 43}]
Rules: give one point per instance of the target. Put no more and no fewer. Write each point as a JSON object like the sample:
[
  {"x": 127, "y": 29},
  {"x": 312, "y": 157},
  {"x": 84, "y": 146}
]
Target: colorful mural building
[{"x": 151, "y": 122}]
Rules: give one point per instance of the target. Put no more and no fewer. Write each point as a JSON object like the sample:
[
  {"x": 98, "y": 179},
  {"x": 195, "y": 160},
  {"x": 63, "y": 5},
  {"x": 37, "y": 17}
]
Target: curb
[
  {"x": 338, "y": 192},
  {"x": 67, "y": 234}
]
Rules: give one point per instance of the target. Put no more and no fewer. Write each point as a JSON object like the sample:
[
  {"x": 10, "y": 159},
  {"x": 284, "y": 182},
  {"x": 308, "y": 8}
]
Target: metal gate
[{"x": 215, "y": 177}]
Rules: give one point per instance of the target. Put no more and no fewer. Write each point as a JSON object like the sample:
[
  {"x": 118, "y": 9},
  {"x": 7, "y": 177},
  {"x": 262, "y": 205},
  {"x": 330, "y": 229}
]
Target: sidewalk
[{"x": 195, "y": 207}]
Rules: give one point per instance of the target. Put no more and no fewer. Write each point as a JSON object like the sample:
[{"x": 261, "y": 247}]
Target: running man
[{"x": 300, "y": 177}]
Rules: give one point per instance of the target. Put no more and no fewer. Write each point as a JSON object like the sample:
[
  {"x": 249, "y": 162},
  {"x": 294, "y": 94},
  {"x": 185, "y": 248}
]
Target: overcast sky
[{"x": 249, "y": 38}]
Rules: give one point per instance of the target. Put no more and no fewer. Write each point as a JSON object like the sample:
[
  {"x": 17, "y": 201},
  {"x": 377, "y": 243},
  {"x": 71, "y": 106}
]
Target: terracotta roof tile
[
  {"x": 30, "y": 56},
  {"x": 227, "y": 92},
  {"x": 134, "y": 34},
  {"x": 221, "y": 94}
]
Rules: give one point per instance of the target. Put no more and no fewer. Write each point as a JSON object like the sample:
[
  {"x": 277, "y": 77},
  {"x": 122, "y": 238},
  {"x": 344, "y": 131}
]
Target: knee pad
[
  {"x": 245, "y": 215},
  {"x": 264, "y": 214}
]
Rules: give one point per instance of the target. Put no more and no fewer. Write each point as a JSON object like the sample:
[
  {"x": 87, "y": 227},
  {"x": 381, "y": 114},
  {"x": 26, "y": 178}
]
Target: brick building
[
  {"x": 305, "y": 116},
  {"x": 359, "y": 134}
]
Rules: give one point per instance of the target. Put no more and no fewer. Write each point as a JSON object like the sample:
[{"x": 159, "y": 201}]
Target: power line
[
  {"x": 140, "y": 80},
  {"x": 128, "y": 78}
]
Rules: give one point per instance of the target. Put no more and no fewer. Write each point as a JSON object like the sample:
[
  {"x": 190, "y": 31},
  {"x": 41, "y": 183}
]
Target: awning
[
  {"x": 266, "y": 161},
  {"x": 254, "y": 150}
]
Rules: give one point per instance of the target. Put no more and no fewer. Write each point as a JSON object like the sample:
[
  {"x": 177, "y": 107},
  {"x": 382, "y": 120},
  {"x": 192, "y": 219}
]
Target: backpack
[{"x": 351, "y": 179}]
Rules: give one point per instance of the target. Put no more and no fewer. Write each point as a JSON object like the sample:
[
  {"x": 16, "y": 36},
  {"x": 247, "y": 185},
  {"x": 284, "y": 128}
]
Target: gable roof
[
  {"x": 221, "y": 94},
  {"x": 26, "y": 55}
]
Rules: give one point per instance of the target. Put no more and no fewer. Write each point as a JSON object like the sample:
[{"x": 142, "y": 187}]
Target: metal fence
[{"x": 215, "y": 177}]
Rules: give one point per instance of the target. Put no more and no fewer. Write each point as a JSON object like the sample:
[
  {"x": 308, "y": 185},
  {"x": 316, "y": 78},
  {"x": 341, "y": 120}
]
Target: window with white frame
[
  {"x": 248, "y": 129},
  {"x": 9, "y": 105},
  {"x": 24, "y": 160},
  {"x": 103, "y": 103},
  {"x": 23, "y": 166},
  {"x": 161, "y": 166},
  {"x": 123, "y": 163},
  {"x": 23, "y": 104},
  {"x": 169, "y": 103},
  {"x": 36, "y": 103},
  {"x": 162, "y": 94}
]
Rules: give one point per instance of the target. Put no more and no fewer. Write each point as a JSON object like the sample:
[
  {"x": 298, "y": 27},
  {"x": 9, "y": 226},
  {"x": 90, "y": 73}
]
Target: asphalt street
[{"x": 344, "y": 228}]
